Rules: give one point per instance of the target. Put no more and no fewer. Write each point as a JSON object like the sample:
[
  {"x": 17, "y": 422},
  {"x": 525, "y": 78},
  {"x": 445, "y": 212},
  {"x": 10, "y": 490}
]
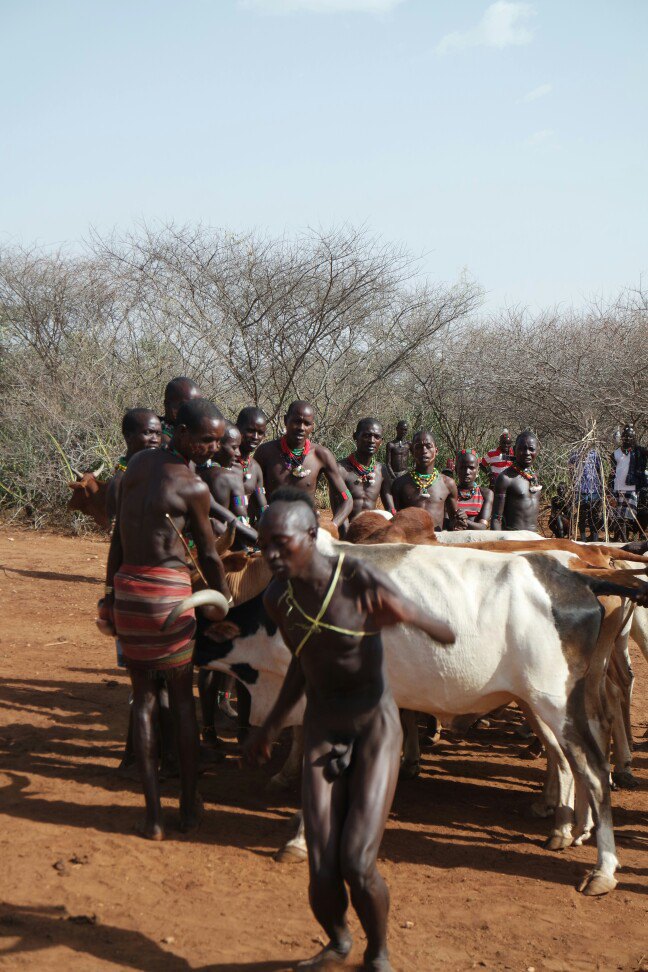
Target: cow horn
[
  {"x": 199, "y": 599},
  {"x": 79, "y": 475},
  {"x": 225, "y": 541},
  {"x": 97, "y": 473}
]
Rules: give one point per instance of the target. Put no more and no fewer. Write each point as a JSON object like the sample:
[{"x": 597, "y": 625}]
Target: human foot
[
  {"x": 191, "y": 819},
  {"x": 335, "y": 953},
  {"x": 377, "y": 963}
]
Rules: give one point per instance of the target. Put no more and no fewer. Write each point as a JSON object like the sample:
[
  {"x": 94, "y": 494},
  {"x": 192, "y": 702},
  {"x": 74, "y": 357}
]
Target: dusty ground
[{"x": 471, "y": 885}]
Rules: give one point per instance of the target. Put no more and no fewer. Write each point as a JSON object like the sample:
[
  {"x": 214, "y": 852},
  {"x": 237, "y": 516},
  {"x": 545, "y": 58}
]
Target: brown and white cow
[{"x": 528, "y": 630}]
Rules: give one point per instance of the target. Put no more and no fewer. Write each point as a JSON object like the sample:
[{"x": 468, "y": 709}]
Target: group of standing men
[{"x": 189, "y": 476}]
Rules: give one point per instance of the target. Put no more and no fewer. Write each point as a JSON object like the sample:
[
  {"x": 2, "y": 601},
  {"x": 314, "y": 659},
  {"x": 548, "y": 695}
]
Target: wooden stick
[{"x": 188, "y": 549}]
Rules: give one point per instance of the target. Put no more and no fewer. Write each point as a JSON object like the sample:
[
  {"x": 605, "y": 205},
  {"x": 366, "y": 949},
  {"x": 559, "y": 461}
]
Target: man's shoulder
[
  {"x": 402, "y": 480},
  {"x": 266, "y": 450},
  {"x": 322, "y": 453}
]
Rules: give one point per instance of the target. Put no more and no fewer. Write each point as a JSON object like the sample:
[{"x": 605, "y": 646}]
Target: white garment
[{"x": 621, "y": 472}]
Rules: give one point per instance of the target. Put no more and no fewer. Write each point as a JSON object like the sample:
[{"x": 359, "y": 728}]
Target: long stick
[{"x": 188, "y": 549}]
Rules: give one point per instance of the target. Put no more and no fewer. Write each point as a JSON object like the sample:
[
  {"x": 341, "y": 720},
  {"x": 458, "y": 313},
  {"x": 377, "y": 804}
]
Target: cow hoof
[
  {"x": 409, "y": 769},
  {"x": 540, "y": 809},
  {"x": 624, "y": 780},
  {"x": 290, "y": 854},
  {"x": 580, "y": 839},
  {"x": 279, "y": 783},
  {"x": 595, "y": 882},
  {"x": 558, "y": 842}
]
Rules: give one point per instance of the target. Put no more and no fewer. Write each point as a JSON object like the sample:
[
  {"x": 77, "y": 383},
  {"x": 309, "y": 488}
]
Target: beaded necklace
[
  {"x": 531, "y": 477},
  {"x": 122, "y": 462},
  {"x": 245, "y": 463},
  {"x": 292, "y": 458},
  {"x": 466, "y": 494},
  {"x": 424, "y": 480},
  {"x": 366, "y": 473}
]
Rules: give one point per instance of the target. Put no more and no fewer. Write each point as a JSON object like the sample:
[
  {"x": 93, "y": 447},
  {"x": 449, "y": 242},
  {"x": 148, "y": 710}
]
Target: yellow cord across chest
[{"x": 316, "y": 625}]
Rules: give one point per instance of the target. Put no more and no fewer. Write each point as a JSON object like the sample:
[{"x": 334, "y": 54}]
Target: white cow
[{"x": 528, "y": 630}]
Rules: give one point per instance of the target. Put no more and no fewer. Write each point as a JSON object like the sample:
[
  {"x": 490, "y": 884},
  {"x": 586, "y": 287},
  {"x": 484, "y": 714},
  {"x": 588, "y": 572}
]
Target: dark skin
[
  {"x": 441, "y": 498},
  {"x": 148, "y": 435},
  {"x": 504, "y": 446},
  {"x": 225, "y": 480},
  {"x": 348, "y": 699},
  {"x": 175, "y": 395},
  {"x": 398, "y": 451},
  {"x": 253, "y": 432},
  {"x": 366, "y": 490},
  {"x": 300, "y": 422},
  {"x": 515, "y": 506},
  {"x": 467, "y": 469},
  {"x": 160, "y": 482}
]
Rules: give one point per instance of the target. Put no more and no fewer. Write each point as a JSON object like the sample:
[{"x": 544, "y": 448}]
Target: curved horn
[
  {"x": 79, "y": 475},
  {"x": 225, "y": 541},
  {"x": 199, "y": 599},
  {"x": 97, "y": 473}
]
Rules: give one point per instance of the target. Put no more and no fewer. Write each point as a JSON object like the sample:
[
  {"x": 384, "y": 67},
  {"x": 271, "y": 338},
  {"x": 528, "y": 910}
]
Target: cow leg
[
  {"x": 619, "y": 685},
  {"x": 574, "y": 733},
  {"x": 288, "y": 775},
  {"x": 558, "y": 789},
  {"x": 294, "y": 851},
  {"x": 411, "y": 762}
]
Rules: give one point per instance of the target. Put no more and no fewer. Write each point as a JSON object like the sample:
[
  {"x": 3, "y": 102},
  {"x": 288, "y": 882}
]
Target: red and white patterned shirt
[{"x": 495, "y": 462}]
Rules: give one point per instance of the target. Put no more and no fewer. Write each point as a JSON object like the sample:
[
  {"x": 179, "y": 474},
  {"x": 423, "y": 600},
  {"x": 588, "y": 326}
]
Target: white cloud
[
  {"x": 539, "y": 92},
  {"x": 502, "y": 25},
  {"x": 320, "y": 6},
  {"x": 538, "y": 138}
]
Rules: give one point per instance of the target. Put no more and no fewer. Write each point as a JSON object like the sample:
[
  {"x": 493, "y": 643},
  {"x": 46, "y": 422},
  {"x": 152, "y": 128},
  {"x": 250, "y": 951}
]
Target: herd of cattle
[{"x": 540, "y": 623}]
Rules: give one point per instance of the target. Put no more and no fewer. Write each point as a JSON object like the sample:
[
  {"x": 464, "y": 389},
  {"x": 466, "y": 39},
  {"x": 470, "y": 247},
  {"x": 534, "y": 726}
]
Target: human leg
[
  {"x": 144, "y": 709},
  {"x": 324, "y": 807},
  {"x": 372, "y": 782},
  {"x": 183, "y": 710}
]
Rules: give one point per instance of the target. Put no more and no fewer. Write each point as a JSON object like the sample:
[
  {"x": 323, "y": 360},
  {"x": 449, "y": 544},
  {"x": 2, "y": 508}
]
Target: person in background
[{"x": 497, "y": 460}]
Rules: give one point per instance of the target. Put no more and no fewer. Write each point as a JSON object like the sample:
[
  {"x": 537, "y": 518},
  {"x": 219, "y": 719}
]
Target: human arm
[
  {"x": 257, "y": 749},
  {"x": 385, "y": 490},
  {"x": 387, "y": 606},
  {"x": 457, "y": 516},
  {"x": 483, "y": 521},
  {"x": 499, "y": 500},
  {"x": 115, "y": 560},
  {"x": 197, "y": 499},
  {"x": 335, "y": 482},
  {"x": 221, "y": 513}
]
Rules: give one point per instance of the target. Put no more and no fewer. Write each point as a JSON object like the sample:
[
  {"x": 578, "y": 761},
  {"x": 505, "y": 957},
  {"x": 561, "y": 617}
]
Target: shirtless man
[
  {"x": 352, "y": 732},
  {"x": 517, "y": 491},
  {"x": 398, "y": 451},
  {"x": 141, "y": 429},
  {"x": 177, "y": 392},
  {"x": 365, "y": 478},
  {"x": 252, "y": 424},
  {"x": 426, "y": 488},
  {"x": 293, "y": 460},
  {"x": 146, "y": 576},
  {"x": 474, "y": 500},
  {"x": 224, "y": 476}
]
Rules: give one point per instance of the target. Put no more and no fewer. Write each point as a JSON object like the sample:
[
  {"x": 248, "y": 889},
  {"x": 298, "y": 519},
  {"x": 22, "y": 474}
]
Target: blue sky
[{"x": 506, "y": 139}]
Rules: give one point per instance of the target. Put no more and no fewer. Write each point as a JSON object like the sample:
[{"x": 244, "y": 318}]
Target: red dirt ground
[{"x": 471, "y": 884}]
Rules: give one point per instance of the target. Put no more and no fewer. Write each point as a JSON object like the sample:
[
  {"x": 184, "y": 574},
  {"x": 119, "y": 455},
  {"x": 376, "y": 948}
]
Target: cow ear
[{"x": 223, "y": 631}]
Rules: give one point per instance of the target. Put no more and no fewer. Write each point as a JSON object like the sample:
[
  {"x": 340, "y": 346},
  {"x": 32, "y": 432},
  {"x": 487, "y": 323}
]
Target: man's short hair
[
  {"x": 367, "y": 421},
  {"x": 297, "y": 404},
  {"x": 177, "y": 386},
  {"x": 191, "y": 414},
  {"x": 251, "y": 413},
  {"x": 134, "y": 418},
  {"x": 421, "y": 432},
  {"x": 291, "y": 494},
  {"x": 526, "y": 434}
]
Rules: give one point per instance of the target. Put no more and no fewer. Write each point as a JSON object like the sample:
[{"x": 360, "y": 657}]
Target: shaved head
[{"x": 288, "y": 516}]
